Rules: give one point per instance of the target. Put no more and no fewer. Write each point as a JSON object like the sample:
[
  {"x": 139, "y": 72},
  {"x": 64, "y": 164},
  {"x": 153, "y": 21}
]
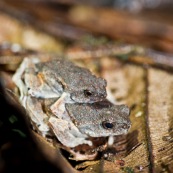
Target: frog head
[{"x": 90, "y": 91}]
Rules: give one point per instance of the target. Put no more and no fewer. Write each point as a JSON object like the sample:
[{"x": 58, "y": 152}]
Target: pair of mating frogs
[{"x": 68, "y": 101}]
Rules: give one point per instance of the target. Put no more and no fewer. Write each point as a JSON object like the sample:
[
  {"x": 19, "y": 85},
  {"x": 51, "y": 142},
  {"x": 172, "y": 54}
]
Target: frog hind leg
[
  {"x": 37, "y": 116},
  {"x": 17, "y": 77},
  {"x": 67, "y": 133},
  {"x": 38, "y": 84},
  {"x": 37, "y": 87},
  {"x": 32, "y": 83}
]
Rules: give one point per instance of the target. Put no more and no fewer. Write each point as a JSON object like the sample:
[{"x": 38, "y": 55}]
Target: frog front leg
[
  {"x": 58, "y": 108},
  {"x": 67, "y": 133}
]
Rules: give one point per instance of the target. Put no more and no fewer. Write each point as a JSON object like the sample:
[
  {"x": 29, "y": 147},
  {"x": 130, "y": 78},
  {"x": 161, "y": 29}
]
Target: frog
[
  {"x": 76, "y": 123},
  {"x": 81, "y": 121},
  {"x": 59, "y": 77},
  {"x": 100, "y": 119}
]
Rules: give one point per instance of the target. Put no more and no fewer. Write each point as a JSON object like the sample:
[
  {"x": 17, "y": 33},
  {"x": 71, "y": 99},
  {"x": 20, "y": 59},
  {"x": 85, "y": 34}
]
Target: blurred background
[{"x": 143, "y": 22}]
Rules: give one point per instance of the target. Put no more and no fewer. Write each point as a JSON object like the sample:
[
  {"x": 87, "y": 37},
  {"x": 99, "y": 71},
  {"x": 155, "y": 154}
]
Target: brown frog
[{"x": 57, "y": 77}]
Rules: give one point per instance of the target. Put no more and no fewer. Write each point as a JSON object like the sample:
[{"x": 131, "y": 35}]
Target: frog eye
[
  {"x": 88, "y": 93},
  {"x": 107, "y": 125}
]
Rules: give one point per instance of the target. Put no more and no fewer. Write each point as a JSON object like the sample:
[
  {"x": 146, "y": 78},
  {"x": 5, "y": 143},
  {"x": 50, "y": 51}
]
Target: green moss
[
  {"x": 13, "y": 119},
  {"x": 128, "y": 170},
  {"x": 19, "y": 132}
]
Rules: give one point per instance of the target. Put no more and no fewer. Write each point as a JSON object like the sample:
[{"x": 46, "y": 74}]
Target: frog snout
[{"x": 102, "y": 95}]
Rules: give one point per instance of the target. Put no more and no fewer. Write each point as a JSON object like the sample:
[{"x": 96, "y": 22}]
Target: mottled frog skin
[
  {"x": 78, "y": 122},
  {"x": 80, "y": 83},
  {"x": 53, "y": 78},
  {"x": 100, "y": 119}
]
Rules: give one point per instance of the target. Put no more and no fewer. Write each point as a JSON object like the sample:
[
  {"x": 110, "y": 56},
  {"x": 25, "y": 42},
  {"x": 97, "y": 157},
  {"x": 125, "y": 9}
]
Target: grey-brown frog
[
  {"x": 79, "y": 122},
  {"x": 75, "y": 123},
  {"x": 59, "y": 77}
]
